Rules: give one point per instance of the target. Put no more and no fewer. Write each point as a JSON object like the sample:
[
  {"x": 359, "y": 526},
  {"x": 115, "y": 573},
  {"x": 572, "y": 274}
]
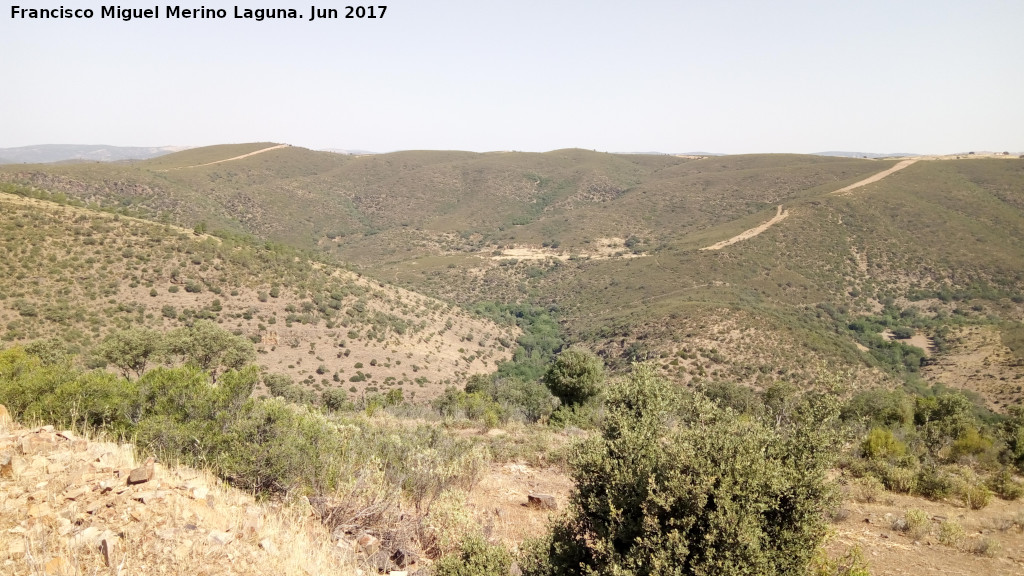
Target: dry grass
[{"x": 182, "y": 521}]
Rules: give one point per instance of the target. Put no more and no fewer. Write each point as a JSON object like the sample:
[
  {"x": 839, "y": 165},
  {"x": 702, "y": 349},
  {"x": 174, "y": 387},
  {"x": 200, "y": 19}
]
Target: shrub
[
  {"x": 677, "y": 485},
  {"x": 866, "y": 489},
  {"x": 984, "y": 547},
  {"x": 335, "y": 400},
  {"x": 447, "y": 524},
  {"x": 975, "y": 496},
  {"x": 890, "y": 408},
  {"x": 915, "y": 523},
  {"x": 896, "y": 479},
  {"x": 529, "y": 400},
  {"x": 475, "y": 557},
  {"x": 951, "y": 533},
  {"x": 850, "y": 564},
  {"x": 1004, "y": 486},
  {"x": 933, "y": 483},
  {"x": 575, "y": 376},
  {"x": 881, "y": 444}
]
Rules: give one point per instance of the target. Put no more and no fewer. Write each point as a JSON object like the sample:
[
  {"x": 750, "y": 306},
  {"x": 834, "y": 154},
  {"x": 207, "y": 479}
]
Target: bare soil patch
[
  {"x": 876, "y": 177},
  {"x": 780, "y": 215},
  {"x": 230, "y": 159}
]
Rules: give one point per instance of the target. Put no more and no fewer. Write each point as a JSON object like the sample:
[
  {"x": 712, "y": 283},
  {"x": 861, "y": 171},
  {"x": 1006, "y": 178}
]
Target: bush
[
  {"x": 476, "y": 557},
  {"x": 529, "y": 400},
  {"x": 678, "y": 485},
  {"x": 896, "y": 479},
  {"x": 575, "y": 376},
  {"x": 879, "y": 407},
  {"x": 951, "y": 533},
  {"x": 850, "y": 564},
  {"x": 915, "y": 523},
  {"x": 933, "y": 483},
  {"x": 882, "y": 445},
  {"x": 866, "y": 489},
  {"x": 975, "y": 497},
  {"x": 1004, "y": 486}
]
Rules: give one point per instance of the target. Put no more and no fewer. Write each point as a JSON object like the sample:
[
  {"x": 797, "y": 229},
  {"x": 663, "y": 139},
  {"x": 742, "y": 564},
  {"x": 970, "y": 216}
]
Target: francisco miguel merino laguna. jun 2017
[{"x": 202, "y": 12}]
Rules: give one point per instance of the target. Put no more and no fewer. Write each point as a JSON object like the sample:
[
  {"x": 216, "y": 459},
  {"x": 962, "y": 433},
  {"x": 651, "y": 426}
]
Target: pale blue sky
[{"x": 732, "y": 76}]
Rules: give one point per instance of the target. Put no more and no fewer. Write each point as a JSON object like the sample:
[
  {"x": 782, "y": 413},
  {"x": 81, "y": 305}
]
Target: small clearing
[
  {"x": 780, "y": 215},
  {"x": 919, "y": 340},
  {"x": 602, "y": 249}
]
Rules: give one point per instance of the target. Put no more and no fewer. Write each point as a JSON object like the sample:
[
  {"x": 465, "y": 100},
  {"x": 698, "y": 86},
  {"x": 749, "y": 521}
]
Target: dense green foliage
[
  {"x": 262, "y": 445},
  {"x": 676, "y": 485},
  {"x": 575, "y": 376}
]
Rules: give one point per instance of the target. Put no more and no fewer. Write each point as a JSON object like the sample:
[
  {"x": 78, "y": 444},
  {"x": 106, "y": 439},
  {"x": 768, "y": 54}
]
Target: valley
[{"x": 399, "y": 322}]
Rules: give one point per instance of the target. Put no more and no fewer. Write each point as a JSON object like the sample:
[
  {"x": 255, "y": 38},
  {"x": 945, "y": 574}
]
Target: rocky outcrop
[{"x": 70, "y": 505}]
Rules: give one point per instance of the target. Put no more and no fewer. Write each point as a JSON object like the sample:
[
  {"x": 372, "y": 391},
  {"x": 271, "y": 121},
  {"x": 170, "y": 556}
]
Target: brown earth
[
  {"x": 979, "y": 361},
  {"x": 74, "y": 506}
]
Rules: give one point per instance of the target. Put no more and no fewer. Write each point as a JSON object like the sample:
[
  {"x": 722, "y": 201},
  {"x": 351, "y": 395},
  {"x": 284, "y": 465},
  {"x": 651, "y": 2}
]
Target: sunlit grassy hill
[
  {"x": 75, "y": 275},
  {"x": 612, "y": 243}
]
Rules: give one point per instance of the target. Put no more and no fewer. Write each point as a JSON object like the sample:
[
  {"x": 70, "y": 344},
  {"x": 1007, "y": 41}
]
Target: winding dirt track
[
  {"x": 260, "y": 151},
  {"x": 781, "y": 214}
]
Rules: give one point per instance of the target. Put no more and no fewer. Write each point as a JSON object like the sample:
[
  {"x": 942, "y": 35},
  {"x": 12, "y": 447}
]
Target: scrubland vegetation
[{"x": 714, "y": 412}]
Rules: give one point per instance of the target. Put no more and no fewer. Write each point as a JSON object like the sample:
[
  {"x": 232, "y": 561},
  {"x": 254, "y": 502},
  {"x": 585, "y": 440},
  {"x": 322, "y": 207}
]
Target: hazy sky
[{"x": 732, "y": 76}]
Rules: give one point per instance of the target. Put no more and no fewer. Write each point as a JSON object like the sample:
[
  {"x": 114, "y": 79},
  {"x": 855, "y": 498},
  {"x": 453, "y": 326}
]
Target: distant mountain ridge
[
  {"x": 47, "y": 153},
  {"x": 865, "y": 154}
]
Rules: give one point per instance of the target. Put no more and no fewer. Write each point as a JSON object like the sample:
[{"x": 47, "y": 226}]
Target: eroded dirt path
[
  {"x": 261, "y": 151},
  {"x": 780, "y": 215},
  {"x": 875, "y": 178}
]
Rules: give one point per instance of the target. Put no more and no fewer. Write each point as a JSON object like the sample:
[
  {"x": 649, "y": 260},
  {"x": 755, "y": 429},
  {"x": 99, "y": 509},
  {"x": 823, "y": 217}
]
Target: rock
[
  {"x": 143, "y": 473},
  {"x": 5, "y": 416},
  {"x": 55, "y": 566},
  {"x": 6, "y": 464},
  {"x": 402, "y": 557},
  {"x": 76, "y": 493},
  {"x": 36, "y": 444},
  {"x": 16, "y": 548},
  {"x": 86, "y": 538},
  {"x": 542, "y": 501},
  {"x": 268, "y": 545},
  {"x": 368, "y": 543},
  {"x": 222, "y": 538},
  {"x": 108, "y": 549},
  {"x": 39, "y": 510},
  {"x": 253, "y": 522}
]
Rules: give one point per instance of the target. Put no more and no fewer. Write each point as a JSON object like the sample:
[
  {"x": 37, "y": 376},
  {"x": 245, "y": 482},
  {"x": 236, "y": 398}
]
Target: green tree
[
  {"x": 676, "y": 485},
  {"x": 131, "y": 350},
  {"x": 210, "y": 347},
  {"x": 575, "y": 376}
]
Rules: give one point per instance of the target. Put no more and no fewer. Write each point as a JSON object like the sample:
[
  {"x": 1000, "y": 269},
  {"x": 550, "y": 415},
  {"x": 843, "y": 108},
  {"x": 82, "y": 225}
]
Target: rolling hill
[
  {"x": 613, "y": 244},
  {"x": 75, "y": 275}
]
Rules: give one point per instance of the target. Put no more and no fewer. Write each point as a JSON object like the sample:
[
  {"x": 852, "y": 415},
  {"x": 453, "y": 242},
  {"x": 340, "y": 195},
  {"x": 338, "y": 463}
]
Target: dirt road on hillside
[
  {"x": 780, "y": 215},
  {"x": 876, "y": 177},
  {"x": 261, "y": 151}
]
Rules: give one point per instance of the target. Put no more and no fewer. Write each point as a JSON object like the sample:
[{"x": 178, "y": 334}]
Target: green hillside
[
  {"x": 74, "y": 275},
  {"x": 612, "y": 243}
]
